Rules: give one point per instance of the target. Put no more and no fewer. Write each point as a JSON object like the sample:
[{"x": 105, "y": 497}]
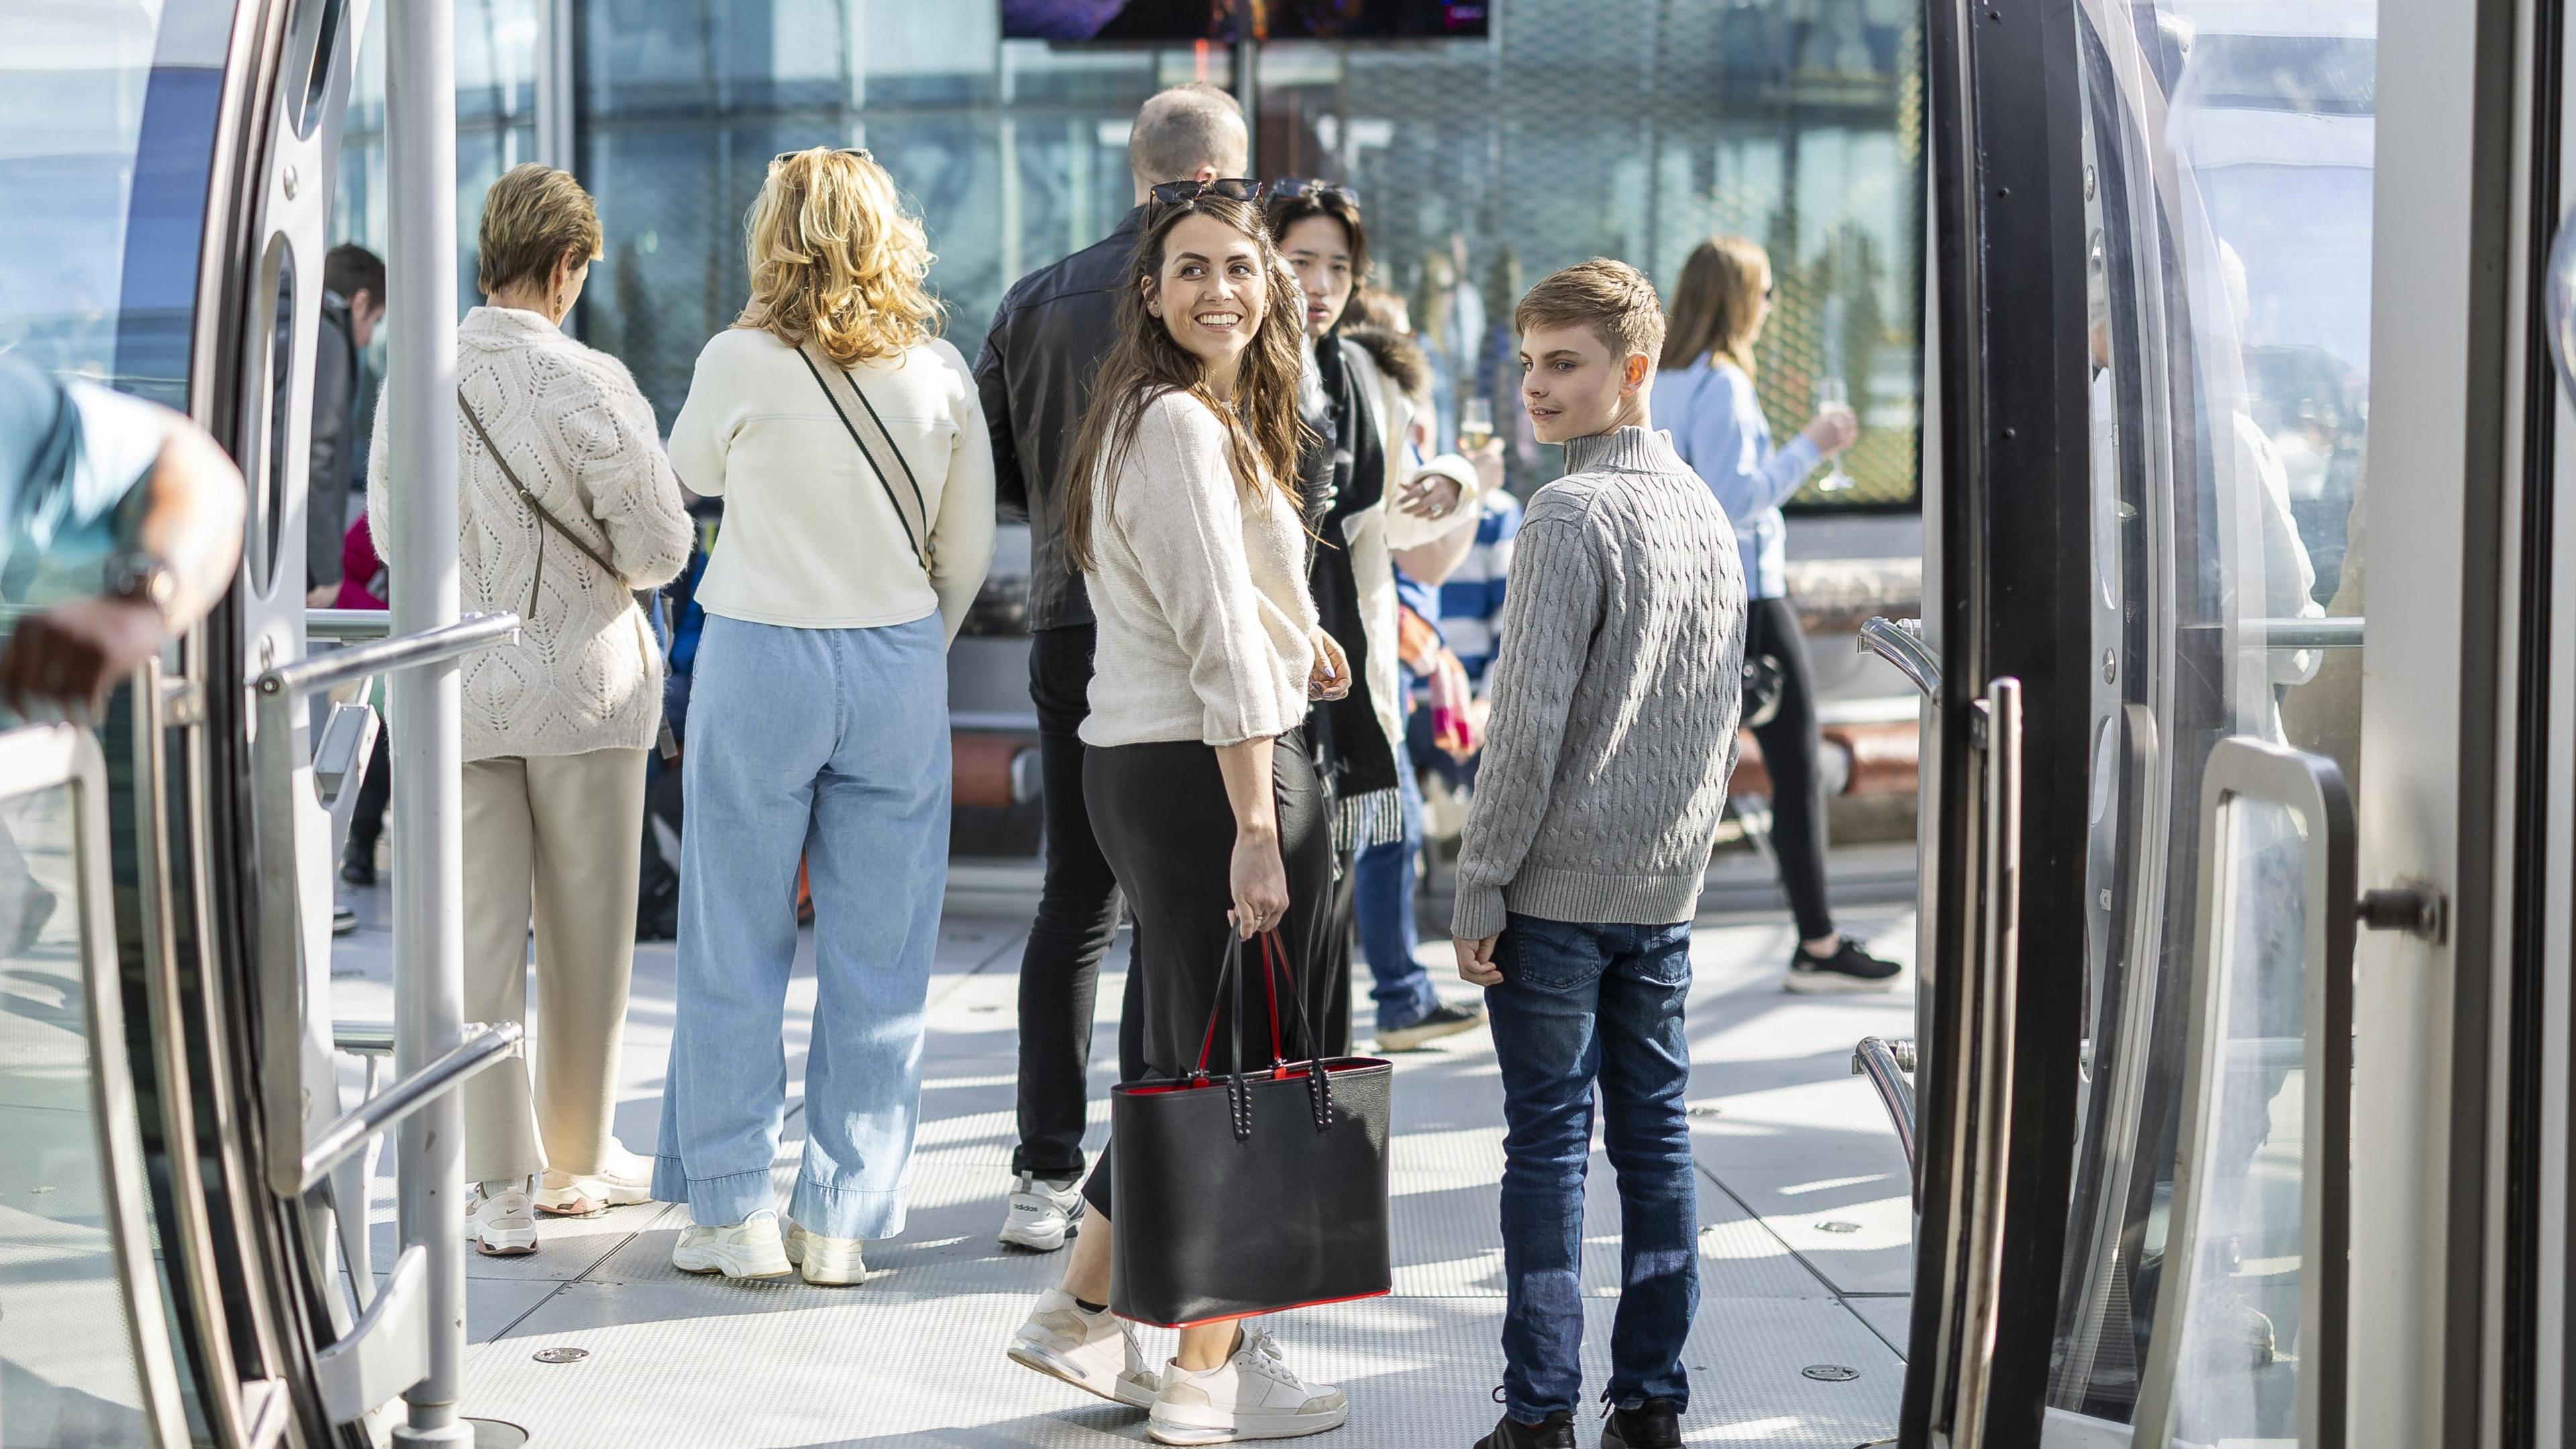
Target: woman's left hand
[{"x": 1331, "y": 676}]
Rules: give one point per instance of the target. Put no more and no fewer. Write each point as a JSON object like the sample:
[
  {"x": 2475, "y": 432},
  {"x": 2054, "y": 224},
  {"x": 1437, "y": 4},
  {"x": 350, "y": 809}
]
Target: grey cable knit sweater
[{"x": 1615, "y": 697}]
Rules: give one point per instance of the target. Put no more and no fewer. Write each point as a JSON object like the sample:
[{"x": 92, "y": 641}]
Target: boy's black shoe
[
  {"x": 1556, "y": 1431},
  {"x": 1848, "y": 969},
  {"x": 1654, "y": 1424}
]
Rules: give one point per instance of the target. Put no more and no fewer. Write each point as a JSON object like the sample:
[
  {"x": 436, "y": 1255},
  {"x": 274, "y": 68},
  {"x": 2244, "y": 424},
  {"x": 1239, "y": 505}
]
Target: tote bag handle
[{"x": 1319, "y": 1090}]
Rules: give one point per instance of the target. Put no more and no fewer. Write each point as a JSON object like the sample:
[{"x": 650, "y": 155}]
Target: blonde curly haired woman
[{"x": 846, "y": 441}]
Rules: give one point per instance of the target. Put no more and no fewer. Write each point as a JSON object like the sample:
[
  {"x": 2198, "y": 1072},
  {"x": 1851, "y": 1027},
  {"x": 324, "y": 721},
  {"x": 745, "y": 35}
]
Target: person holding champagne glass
[{"x": 1704, "y": 395}]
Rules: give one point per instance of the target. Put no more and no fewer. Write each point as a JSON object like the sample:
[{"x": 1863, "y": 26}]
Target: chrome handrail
[
  {"x": 429, "y": 646},
  {"x": 1877, "y": 1059},
  {"x": 483, "y": 1046},
  {"x": 2337, "y": 632},
  {"x": 345, "y": 624},
  {"x": 1900, "y": 642},
  {"x": 279, "y": 691}
]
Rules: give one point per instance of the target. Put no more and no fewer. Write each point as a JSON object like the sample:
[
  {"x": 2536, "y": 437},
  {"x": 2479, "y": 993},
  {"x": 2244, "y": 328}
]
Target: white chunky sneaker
[
  {"x": 827, "y": 1262},
  {"x": 623, "y": 1180},
  {"x": 1253, "y": 1395},
  {"x": 751, "y": 1249},
  {"x": 1094, "y": 1352},
  {"x": 1044, "y": 1212},
  {"x": 502, "y": 1224}
]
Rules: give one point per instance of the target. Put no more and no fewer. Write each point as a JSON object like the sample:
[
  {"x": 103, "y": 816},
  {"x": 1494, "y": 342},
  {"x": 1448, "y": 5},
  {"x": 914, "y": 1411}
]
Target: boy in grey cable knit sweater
[{"x": 1605, "y": 766}]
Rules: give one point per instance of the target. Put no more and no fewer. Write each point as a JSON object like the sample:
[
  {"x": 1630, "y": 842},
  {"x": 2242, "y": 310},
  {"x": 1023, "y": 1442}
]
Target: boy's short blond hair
[{"x": 1614, "y": 299}]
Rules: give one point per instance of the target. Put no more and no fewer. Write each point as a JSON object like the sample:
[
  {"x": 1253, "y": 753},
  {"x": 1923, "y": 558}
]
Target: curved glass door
[{"x": 2227, "y": 152}]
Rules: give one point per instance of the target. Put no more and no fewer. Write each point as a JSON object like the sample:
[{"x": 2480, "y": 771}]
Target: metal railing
[
  {"x": 1900, "y": 642},
  {"x": 1886, "y": 1064}
]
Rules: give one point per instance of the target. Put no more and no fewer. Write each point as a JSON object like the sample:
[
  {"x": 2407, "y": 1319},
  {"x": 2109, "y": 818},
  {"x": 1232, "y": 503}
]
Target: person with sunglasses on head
[
  {"x": 845, "y": 437},
  {"x": 1704, "y": 396},
  {"x": 1181, "y": 510},
  {"x": 1035, "y": 378},
  {"x": 1347, "y": 478}
]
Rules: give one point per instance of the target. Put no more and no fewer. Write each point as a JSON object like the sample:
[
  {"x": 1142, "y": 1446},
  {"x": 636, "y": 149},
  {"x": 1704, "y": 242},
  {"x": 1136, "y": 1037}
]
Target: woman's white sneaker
[
  {"x": 1043, "y": 1213},
  {"x": 1094, "y": 1352},
  {"x": 503, "y": 1224},
  {"x": 623, "y": 1180},
  {"x": 751, "y": 1249},
  {"x": 1253, "y": 1395},
  {"x": 826, "y": 1262}
]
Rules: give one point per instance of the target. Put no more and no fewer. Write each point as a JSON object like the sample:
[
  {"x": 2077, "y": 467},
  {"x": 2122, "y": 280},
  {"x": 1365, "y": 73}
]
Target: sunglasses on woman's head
[
  {"x": 861, "y": 152},
  {"x": 1296, "y": 186},
  {"x": 1181, "y": 193}
]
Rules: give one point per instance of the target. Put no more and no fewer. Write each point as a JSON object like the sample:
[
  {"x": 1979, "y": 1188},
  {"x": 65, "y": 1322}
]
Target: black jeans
[
  {"x": 1164, "y": 820},
  {"x": 1789, "y": 753},
  {"x": 1076, "y": 922}
]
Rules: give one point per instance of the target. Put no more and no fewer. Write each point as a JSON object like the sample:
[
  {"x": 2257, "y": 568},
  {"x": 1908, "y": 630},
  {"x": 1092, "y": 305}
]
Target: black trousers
[
  {"x": 375, "y": 791},
  {"x": 1076, "y": 922},
  {"x": 1164, "y": 822},
  {"x": 1789, "y": 748}
]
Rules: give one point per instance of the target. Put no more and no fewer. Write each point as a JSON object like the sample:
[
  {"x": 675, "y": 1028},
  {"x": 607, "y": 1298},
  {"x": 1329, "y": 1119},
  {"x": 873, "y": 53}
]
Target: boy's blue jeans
[
  {"x": 832, "y": 745},
  {"x": 1580, "y": 1004}
]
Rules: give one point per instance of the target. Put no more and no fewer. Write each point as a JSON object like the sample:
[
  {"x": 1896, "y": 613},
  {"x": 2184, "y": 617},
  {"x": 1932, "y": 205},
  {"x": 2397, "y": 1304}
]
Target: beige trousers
[{"x": 558, "y": 836}]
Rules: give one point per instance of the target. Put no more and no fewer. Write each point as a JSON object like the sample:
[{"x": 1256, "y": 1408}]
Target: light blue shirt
[
  {"x": 70, "y": 454},
  {"x": 1717, "y": 426}
]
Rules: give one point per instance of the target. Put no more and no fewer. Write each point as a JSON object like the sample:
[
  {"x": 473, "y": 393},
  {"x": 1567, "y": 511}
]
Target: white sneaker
[
  {"x": 829, "y": 1262},
  {"x": 750, "y": 1249},
  {"x": 1044, "y": 1212},
  {"x": 623, "y": 1180},
  {"x": 1094, "y": 1352},
  {"x": 502, "y": 1224},
  {"x": 1253, "y": 1395}
]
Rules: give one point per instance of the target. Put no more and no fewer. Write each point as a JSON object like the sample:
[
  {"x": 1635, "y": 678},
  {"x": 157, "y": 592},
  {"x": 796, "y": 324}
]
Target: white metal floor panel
[{"x": 1787, "y": 1142}]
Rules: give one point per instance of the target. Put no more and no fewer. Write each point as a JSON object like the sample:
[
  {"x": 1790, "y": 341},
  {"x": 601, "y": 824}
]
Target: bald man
[{"x": 1035, "y": 375}]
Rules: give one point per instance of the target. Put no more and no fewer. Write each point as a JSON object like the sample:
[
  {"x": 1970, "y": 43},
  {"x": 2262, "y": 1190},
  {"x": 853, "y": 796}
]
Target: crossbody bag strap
[
  {"x": 875, "y": 444},
  {"x": 545, "y": 516}
]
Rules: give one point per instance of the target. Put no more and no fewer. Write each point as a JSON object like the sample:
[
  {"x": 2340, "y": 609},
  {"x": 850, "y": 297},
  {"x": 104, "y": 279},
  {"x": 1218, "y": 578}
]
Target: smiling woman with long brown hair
[{"x": 1182, "y": 511}]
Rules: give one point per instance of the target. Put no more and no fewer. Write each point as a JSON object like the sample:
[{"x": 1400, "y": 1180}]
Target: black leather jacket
[
  {"x": 335, "y": 440},
  {"x": 1053, "y": 328}
]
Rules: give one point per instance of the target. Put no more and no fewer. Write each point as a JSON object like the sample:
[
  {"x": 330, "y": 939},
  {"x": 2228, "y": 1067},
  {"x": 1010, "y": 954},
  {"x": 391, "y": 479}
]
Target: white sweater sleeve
[
  {"x": 962, "y": 534},
  {"x": 633, "y": 492},
  {"x": 704, "y": 427},
  {"x": 1181, "y": 513}
]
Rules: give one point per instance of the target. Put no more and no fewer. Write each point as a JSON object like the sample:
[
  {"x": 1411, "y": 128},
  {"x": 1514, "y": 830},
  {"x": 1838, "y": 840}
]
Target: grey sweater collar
[{"x": 1623, "y": 450}]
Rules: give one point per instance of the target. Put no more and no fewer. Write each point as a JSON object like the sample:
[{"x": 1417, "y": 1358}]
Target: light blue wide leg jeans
[{"x": 831, "y": 744}]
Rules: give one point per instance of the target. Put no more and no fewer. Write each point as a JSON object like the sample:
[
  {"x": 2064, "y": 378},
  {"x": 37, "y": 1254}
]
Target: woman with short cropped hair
[
  {"x": 565, "y": 507},
  {"x": 847, "y": 442}
]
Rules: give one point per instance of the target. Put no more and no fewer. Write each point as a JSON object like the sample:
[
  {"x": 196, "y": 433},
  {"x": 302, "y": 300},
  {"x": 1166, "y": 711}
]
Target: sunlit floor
[{"x": 1804, "y": 1244}]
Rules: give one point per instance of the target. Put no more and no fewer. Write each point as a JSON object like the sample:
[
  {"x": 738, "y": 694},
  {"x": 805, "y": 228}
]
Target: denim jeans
[
  {"x": 830, "y": 744},
  {"x": 1581, "y": 1003},
  {"x": 1384, "y": 905}
]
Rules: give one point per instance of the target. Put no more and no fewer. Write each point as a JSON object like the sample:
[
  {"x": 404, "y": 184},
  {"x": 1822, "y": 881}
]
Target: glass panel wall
[{"x": 1481, "y": 164}]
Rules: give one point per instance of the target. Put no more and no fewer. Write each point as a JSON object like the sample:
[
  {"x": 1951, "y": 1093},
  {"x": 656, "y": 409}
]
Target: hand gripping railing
[{"x": 280, "y": 692}]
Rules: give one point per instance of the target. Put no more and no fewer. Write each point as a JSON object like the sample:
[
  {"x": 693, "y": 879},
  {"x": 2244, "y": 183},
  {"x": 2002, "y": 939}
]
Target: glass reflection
[{"x": 2227, "y": 154}]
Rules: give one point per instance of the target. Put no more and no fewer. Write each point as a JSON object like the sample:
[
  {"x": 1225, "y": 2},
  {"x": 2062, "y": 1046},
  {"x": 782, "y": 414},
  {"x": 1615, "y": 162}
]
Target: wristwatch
[{"x": 144, "y": 577}]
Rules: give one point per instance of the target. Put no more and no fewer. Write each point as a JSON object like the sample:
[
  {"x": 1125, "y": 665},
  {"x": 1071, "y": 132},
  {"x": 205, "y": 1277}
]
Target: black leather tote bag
[{"x": 1253, "y": 1191}]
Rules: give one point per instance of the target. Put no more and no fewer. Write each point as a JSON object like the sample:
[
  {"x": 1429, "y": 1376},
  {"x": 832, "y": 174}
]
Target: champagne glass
[
  {"x": 1833, "y": 396},
  {"x": 1475, "y": 423}
]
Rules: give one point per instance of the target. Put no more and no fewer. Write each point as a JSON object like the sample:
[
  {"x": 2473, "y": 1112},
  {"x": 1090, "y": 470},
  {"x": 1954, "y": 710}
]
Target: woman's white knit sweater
[
  {"x": 584, "y": 674},
  {"x": 1205, "y": 626}
]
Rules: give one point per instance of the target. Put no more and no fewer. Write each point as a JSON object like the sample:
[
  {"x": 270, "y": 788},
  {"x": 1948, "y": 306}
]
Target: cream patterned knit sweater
[
  {"x": 1615, "y": 698},
  {"x": 584, "y": 674}
]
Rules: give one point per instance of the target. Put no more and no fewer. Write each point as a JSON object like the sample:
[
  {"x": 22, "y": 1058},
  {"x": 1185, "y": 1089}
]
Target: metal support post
[{"x": 429, "y": 957}]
